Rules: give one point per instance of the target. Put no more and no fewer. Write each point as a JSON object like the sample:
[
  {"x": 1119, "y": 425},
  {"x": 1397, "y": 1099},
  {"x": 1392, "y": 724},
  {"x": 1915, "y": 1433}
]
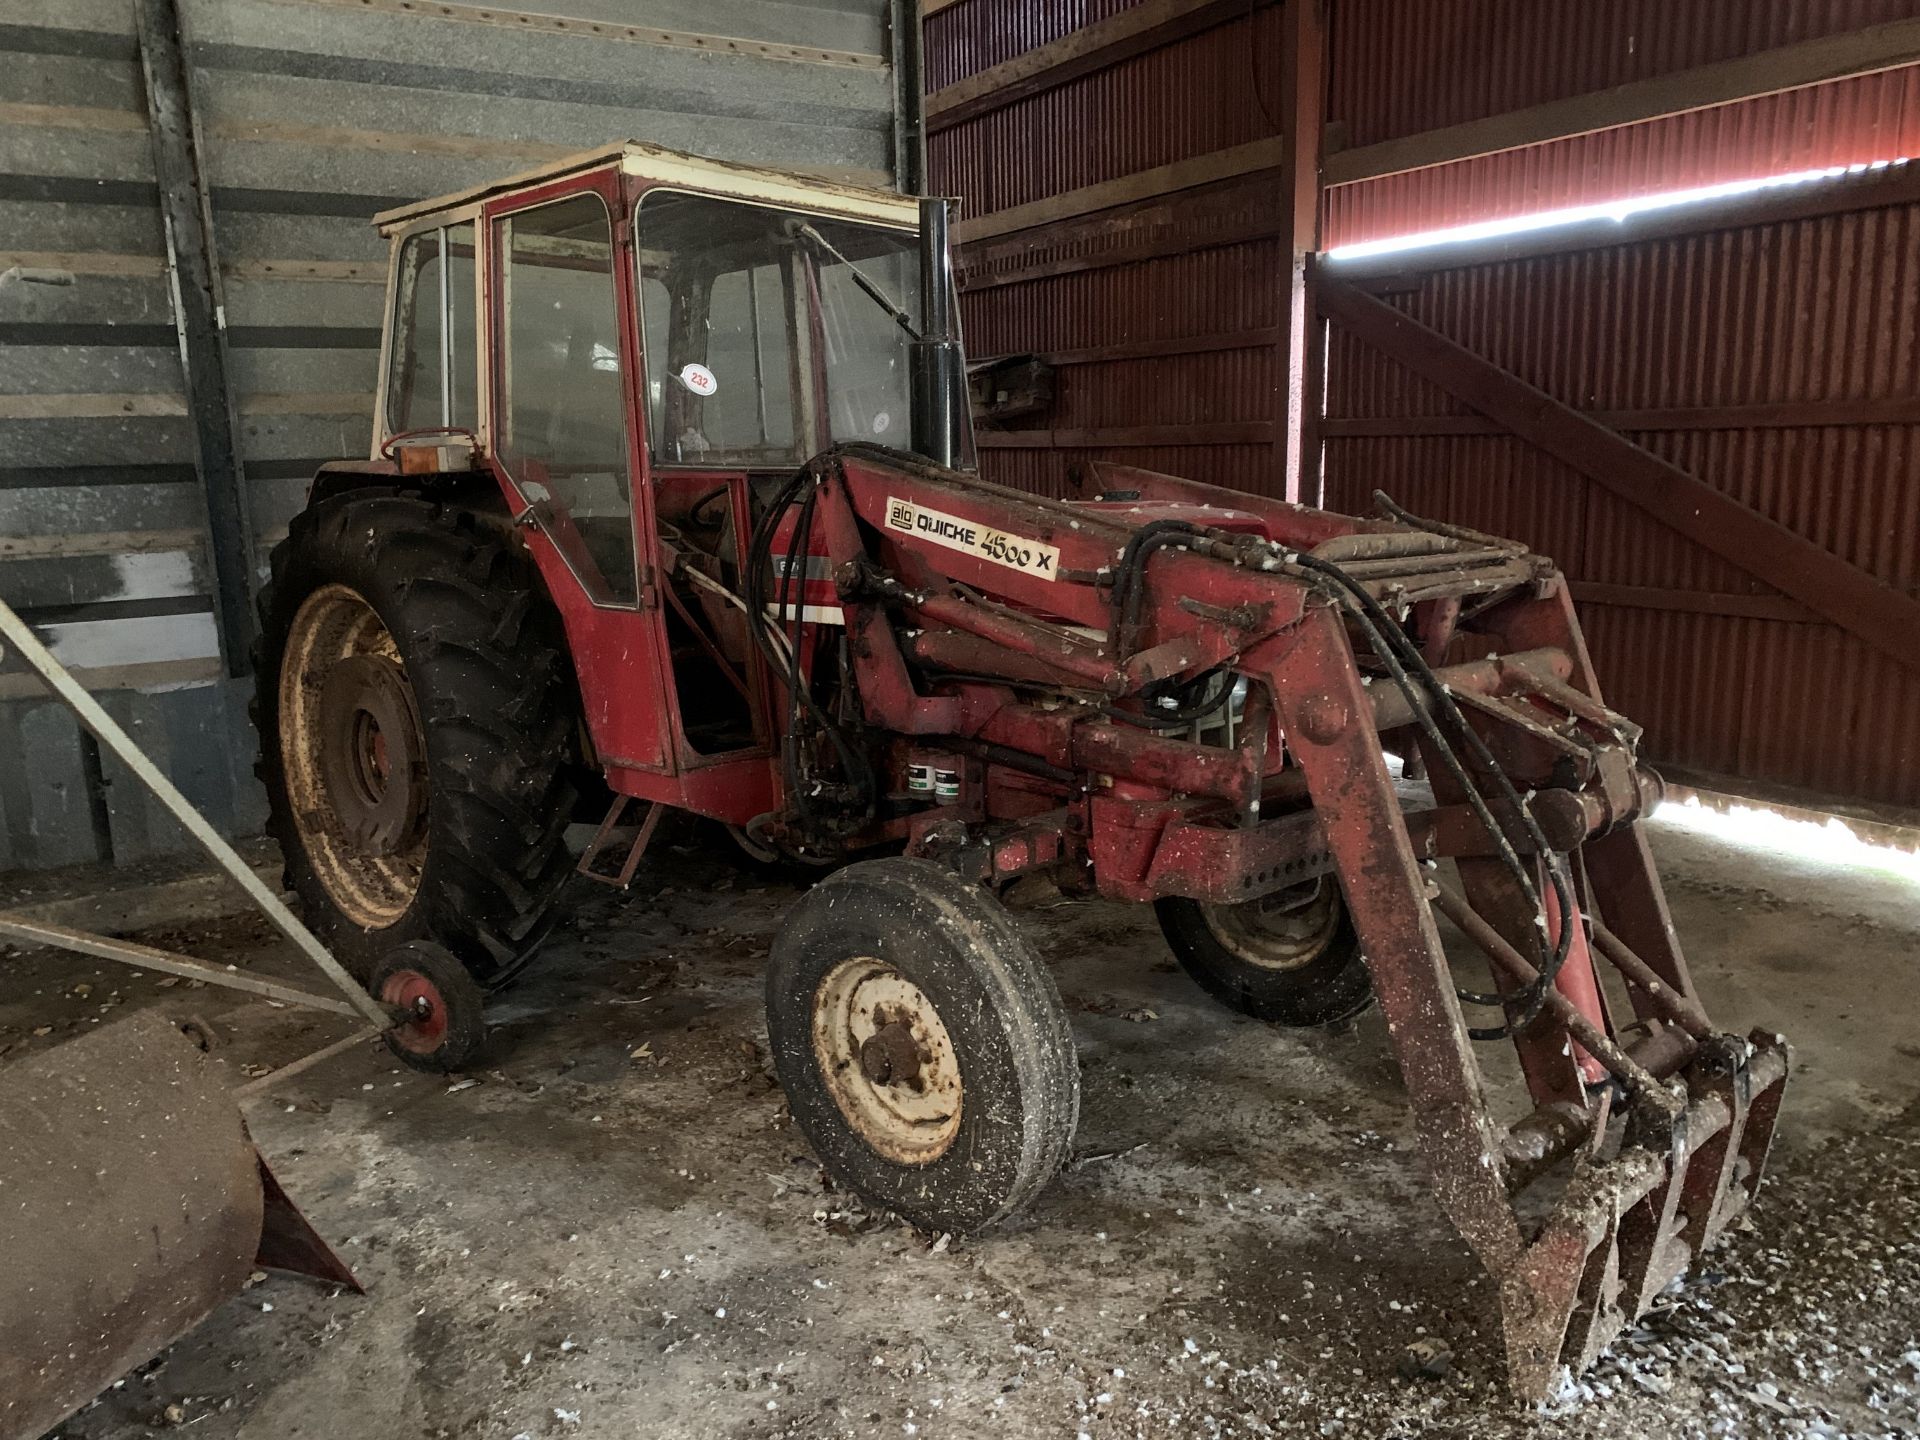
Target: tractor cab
[{"x": 636, "y": 344}]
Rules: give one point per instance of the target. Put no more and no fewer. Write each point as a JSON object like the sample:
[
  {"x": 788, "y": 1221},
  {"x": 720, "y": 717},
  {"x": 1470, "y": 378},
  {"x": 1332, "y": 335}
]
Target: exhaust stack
[{"x": 939, "y": 381}]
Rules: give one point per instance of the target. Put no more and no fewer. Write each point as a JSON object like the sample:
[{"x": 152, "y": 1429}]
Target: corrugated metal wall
[
  {"x": 314, "y": 115},
  {"x": 1775, "y": 360},
  {"x": 1454, "y": 61},
  {"x": 1778, "y": 361},
  {"x": 1848, "y": 122},
  {"x": 1457, "y": 60},
  {"x": 1161, "y": 314},
  {"x": 974, "y": 35},
  {"x": 101, "y": 518}
]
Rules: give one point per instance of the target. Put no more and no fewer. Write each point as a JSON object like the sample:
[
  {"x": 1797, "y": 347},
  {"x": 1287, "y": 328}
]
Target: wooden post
[
  {"x": 193, "y": 276},
  {"x": 907, "y": 53}
]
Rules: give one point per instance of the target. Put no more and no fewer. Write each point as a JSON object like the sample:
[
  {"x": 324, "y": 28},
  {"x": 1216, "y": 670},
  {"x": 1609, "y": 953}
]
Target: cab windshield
[{"x": 769, "y": 333}]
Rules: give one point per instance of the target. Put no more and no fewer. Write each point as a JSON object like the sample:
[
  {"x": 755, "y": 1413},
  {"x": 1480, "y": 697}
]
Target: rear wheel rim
[
  {"x": 888, "y": 1061},
  {"x": 352, "y": 751},
  {"x": 1284, "y": 931}
]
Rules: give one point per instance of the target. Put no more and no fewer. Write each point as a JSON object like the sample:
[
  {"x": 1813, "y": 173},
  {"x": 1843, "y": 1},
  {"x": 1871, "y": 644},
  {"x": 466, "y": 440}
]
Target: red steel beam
[{"x": 1876, "y": 613}]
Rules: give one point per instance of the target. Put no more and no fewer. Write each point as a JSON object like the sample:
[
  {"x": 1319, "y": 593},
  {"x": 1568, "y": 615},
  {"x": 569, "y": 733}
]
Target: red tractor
[{"x": 672, "y": 494}]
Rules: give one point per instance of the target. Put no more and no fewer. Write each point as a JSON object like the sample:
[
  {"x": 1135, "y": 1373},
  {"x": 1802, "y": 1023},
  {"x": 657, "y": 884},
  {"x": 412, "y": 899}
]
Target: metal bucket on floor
[{"x": 132, "y": 1203}]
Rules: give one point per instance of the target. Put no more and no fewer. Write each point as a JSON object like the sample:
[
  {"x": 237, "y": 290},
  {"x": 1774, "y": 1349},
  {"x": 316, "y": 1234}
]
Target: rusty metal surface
[
  {"x": 1813, "y": 576},
  {"x": 1285, "y": 597},
  {"x": 28, "y": 931},
  {"x": 974, "y": 35},
  {"x": 130, "y": 1206},
  {"x": 1044, "y": 471},
  {"x": 1207, "y": 92},
  {"x": 288, "y": 1240},
  {"x": 1157, "y": 403},
  {"x": 1457, "y": 60},
  {"x": 1461, "y": 60},
  {"x": 1117, "y": 301},
  {"x": 1758, "y": 343},
  {"x": 1847, "y": 122},
  {"x": 1625, "y": 1228}
]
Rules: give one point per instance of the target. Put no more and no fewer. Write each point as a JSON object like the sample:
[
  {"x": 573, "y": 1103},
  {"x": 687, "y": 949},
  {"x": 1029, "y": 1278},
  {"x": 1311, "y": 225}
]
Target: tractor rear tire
[
  {"x": 1291, "y": 958},
  {"x": 922, "y": 1045},
  {"x": 418, "y": 727}
]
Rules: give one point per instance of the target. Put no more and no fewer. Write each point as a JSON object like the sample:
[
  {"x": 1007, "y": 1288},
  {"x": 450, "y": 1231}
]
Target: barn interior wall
[
  {"x": 1122, "y": 219},
  {"x": 1778, "y": 361},
  {"x": 1770, "y": 360},
  {"x": 313, "y": 115},
  {"x": 1517, "y": 107},
  {"x": 1125, "y": 225}
]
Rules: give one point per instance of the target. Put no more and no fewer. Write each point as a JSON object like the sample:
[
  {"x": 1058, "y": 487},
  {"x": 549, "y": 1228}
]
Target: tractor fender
[
  {"x": 340, "y": 477},
  {"x": 479, "y": 491}
]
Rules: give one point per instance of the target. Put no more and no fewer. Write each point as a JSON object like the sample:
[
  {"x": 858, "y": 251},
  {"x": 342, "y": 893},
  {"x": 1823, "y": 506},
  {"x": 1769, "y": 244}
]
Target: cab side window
[
  {"x": 432, "y": 378},
  {"x": 561, "y": 421}
]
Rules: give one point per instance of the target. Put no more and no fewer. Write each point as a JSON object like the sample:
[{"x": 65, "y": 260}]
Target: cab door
[
  {"x": 726, "y": 389},
  {"x": 565, "y": 360}
]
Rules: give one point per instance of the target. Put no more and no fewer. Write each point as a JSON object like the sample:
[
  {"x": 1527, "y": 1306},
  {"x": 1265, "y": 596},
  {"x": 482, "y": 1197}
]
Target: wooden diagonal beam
[
  {"x": 1236, "y": 160},
  {"x": 1143, "y": 27},
  {"x": 1876, "y": 613}
]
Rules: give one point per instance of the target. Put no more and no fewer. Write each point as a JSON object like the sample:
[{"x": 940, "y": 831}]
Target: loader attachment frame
[
  {"x": 1700, "y": 1109},
  {"x": 1646, "y": 1140}
]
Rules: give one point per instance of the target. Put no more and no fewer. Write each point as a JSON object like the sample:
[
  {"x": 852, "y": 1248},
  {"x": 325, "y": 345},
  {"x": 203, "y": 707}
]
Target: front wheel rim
[{"x": 888, "y": 1061}]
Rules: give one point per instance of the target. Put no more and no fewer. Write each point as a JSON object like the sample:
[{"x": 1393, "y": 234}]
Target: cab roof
[{"x": 684, "y": 171}]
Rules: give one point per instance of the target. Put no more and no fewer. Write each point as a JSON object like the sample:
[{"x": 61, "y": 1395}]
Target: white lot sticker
[
  {"x": 1029, "y": 557},
  {"x": 699, "y": 380}
]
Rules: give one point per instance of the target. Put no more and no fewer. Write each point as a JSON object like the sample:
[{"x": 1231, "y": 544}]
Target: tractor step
[{"x": 604, "y": 836}]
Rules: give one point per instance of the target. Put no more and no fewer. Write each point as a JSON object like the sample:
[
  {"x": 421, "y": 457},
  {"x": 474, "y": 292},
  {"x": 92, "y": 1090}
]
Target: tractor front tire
[
  {"x": 418, "y": 727},
  {"x": 922, "y": 1045},
  {"x": 1291, "y": 958}
]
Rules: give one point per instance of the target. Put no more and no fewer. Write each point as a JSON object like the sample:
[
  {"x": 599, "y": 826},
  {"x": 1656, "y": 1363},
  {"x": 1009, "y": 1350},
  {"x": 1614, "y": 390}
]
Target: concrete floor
[{"x": 617, "y": 1233}]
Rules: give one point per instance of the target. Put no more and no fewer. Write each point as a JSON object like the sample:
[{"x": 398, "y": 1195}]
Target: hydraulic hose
[{"x": 1404, "y": 661}]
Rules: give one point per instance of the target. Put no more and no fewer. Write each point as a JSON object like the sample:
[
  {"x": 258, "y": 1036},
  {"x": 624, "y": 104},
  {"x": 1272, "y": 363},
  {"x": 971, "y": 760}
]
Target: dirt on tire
[{"x": 483, "y": 652}]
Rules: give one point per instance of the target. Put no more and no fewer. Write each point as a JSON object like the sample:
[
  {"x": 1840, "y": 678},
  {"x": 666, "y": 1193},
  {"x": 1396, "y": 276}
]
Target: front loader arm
[
  {"x": 1014, "y": 636},
  {"x": 1051, "y": 564}
]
